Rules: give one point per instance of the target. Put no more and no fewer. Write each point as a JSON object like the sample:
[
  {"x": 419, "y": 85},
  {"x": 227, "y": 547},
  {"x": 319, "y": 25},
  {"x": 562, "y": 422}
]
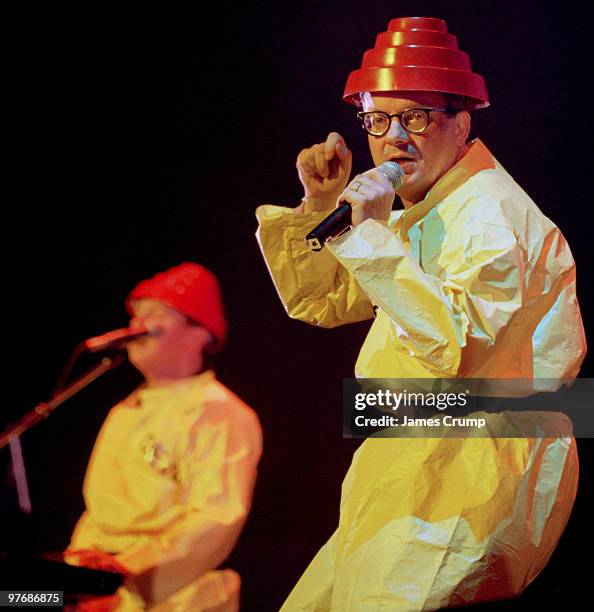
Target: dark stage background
[{"x": 146, "y": 139}]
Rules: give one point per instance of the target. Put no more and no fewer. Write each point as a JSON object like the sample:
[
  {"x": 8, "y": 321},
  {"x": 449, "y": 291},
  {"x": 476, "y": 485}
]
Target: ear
[{"x": 462, "y": 127}]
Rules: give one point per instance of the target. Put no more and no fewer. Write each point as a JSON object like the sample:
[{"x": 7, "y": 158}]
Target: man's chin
[{"x": 407, "y": 195}]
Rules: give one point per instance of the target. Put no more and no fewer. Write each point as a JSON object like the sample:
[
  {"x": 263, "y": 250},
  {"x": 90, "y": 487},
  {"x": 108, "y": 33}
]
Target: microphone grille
[{"x": 393, "y": 172}]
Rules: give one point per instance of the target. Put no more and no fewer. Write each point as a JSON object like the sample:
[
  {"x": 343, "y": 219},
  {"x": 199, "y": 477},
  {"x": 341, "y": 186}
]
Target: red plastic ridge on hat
[
  {"x": 192, "y": 290},
  {"x": 417, "y": 54}
]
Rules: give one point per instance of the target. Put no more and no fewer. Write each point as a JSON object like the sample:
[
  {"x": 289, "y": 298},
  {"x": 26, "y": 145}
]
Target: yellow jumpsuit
[
  {"x": 168, "y": 489},
  {"x": 473, "y": 281}
]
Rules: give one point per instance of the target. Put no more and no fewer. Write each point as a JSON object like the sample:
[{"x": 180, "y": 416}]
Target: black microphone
[
  {"x": 116, "y": 339},
  {"x": 340, "y": 219}
]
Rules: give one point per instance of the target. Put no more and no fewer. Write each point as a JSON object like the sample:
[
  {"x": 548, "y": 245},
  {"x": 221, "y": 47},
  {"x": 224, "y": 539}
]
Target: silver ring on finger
[{"x": 356, "y": 185}]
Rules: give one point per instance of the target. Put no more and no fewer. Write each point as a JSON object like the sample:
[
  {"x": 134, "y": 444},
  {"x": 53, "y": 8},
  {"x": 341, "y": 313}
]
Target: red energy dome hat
[
  {"x": 417, "y": 54},
  {"x": 192, "y": 290}
]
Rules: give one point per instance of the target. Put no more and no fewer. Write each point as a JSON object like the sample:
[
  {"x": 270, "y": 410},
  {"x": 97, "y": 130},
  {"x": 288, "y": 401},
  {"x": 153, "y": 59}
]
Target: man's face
[
  {"x": 424, "y": 157},
  {"x": 175, "y": 339}
]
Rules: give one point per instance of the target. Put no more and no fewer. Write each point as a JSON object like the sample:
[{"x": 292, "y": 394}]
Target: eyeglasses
[{"x": 413, "y": 120}]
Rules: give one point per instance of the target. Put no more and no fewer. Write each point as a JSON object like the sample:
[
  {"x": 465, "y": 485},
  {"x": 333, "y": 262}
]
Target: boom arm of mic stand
[
  {"x": 43, "y": 410},
  {"x": 67, "y": 369}
]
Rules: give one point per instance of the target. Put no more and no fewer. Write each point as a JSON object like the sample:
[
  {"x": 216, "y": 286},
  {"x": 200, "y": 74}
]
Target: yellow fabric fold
[
  {"x": 318, "y": 291},
  {"x": 436, "y": 522}
]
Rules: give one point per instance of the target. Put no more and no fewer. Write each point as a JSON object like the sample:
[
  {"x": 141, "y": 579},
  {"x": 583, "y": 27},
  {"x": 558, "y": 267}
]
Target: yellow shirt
[
  {"x": 170, "y": 480},
  {"x": 473, "y": 281}
]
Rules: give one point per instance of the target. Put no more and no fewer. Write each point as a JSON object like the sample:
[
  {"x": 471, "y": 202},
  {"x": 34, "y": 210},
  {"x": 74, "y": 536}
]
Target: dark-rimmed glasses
[{"x": 413, "y": 120}]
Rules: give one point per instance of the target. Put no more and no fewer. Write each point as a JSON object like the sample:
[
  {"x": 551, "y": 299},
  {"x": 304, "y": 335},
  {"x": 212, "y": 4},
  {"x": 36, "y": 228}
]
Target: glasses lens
[
  {"x": 376, "y": 123},
  {"x": 415, "y": 120}
]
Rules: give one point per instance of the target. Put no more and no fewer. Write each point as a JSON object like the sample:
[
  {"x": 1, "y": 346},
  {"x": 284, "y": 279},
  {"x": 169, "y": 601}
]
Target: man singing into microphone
[
  {"x": 470, "y": 280},
  {"x": 171, "y": 477}
]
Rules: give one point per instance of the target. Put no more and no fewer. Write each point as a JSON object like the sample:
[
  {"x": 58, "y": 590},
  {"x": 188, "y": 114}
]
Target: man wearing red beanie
[
  {"x": 470, "y": 280},
  {"x": 171, "y": 477}
]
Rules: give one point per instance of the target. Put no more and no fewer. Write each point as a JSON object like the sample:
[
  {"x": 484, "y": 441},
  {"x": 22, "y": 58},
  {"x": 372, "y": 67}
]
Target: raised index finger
[{"x": 333, "y": 141}]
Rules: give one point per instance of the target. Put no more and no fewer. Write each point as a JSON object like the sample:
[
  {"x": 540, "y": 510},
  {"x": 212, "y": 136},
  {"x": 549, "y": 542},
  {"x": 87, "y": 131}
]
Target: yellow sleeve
[
  {"x": 462, "y": 313},
  {"x": 313, "y": 287},
  {"x": 218, "y": 477}
]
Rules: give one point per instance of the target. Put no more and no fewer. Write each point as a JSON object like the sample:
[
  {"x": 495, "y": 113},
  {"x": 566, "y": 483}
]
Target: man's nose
[{"x": 396, "y": 133}]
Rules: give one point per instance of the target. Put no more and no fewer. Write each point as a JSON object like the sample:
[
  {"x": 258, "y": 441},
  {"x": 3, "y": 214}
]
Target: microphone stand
[{"x": 44, "y": 409}]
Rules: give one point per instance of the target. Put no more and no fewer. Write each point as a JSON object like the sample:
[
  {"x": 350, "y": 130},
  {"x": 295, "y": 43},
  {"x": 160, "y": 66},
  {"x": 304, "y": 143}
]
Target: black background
[{"x": 139, "y": 140}]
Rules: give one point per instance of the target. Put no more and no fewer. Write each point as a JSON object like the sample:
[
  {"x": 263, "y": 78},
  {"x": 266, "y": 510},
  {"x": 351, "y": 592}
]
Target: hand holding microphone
[{"x": 369, "y": 196}]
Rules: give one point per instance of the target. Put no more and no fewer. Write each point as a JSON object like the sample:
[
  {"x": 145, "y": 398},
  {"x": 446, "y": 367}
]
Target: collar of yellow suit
[
  {"x": 154, "y": 395},
  {"x": 477, "y": 158}
]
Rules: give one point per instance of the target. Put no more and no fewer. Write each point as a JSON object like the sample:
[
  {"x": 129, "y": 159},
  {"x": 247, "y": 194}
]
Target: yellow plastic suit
[
  {"x": 168, "y": 489},
  {"x": 473, "y": 281}
]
